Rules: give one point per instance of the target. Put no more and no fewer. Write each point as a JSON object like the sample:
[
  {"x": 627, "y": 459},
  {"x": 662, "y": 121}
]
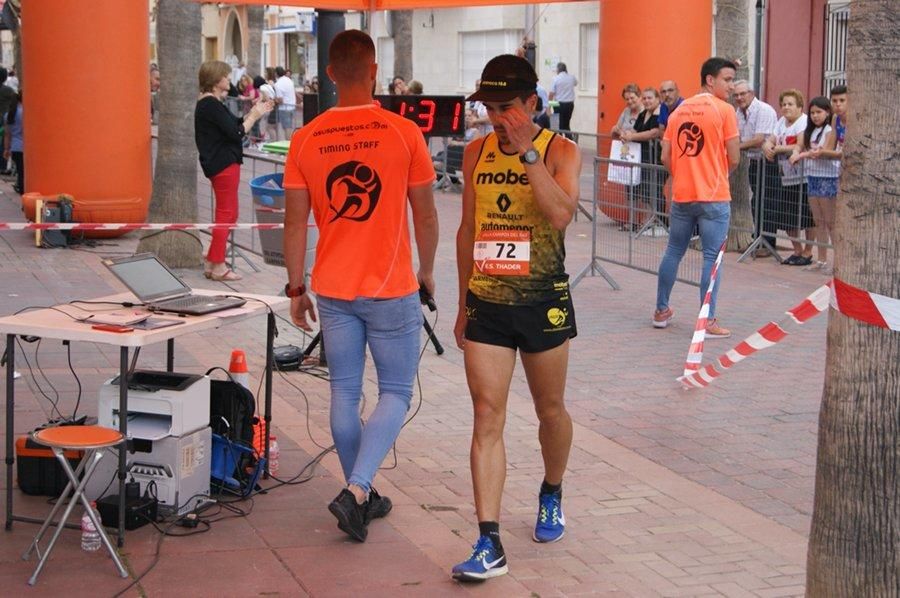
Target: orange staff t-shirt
[
  {"x": 697, "y": 132},
  {"x": 357, "y": 163}
]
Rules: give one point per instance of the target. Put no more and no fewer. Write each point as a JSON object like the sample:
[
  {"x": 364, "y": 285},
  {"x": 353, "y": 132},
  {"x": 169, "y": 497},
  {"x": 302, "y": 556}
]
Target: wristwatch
[
  {"x": 296, "y": 291},
  {"x": 530, "y": 157}
]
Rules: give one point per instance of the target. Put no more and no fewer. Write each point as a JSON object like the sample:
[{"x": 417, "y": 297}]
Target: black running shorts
[{"x": 529, "y": 328}]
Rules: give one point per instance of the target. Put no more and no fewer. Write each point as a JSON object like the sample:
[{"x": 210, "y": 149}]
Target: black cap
[{"x": 505, "y": 78}]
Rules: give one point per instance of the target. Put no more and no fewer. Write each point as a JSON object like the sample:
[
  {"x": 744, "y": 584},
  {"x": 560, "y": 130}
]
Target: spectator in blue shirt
[{"x": 671, "y": 99}]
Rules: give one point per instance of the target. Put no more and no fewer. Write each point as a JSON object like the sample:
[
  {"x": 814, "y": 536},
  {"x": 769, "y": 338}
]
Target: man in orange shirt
[
  {"x": 700, "y": 147},
  {"x": 359, "y": 167}
]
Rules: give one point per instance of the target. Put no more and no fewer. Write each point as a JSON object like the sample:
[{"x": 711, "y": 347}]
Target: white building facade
[{"x": 451, "y": 46}]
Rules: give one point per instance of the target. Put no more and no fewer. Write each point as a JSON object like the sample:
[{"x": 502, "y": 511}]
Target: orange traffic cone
[{"x": 238, "y": 368}]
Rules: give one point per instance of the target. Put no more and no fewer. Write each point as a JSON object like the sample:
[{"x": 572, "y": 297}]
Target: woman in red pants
[{"x": 219, "y": 135}]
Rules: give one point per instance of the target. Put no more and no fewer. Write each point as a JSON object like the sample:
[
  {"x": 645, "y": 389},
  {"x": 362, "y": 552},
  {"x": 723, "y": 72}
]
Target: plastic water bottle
[
  {"x": 274, "y": 453},
  {"x": 90, "y": 537}
]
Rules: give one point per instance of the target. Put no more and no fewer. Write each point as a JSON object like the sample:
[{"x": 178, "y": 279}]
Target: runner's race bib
[{"x": 503, "y": 252}]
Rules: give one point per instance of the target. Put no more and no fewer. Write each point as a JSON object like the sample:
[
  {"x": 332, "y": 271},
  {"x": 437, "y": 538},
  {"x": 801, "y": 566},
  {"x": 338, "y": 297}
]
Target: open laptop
[{"x": 161, "y": 290}]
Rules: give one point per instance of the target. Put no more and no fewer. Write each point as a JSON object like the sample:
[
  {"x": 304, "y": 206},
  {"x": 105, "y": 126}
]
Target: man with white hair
[{"x": 756, "y": 121}]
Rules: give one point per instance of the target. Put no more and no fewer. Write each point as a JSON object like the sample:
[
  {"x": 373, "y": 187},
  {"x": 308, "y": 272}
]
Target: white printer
[
  {"x": 169, "y": 438},
  {"x": 160, "y": 404}
]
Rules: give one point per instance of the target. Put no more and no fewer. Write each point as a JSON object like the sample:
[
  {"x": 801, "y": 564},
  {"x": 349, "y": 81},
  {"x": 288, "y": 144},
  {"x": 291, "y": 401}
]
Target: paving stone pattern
[{"x": 669, "y": 492}]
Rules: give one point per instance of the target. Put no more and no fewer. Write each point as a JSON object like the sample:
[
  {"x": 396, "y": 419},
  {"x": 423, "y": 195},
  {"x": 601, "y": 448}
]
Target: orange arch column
[
  {"x": 647, "y": 42},
  {"x": 87, "y": 105}
]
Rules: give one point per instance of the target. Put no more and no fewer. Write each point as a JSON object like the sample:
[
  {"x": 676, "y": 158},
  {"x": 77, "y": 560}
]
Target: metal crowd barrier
[
  {"x": 631, "y": 205},
  {"x": 631, "y": 221},
  {"x": 781, "y": 207}
]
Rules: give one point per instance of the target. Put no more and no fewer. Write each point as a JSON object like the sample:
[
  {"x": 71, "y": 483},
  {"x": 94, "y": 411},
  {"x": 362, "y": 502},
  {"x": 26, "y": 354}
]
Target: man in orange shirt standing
[
  {"x": 700, "y": 147},
  {"x": 360, "y": 167}
]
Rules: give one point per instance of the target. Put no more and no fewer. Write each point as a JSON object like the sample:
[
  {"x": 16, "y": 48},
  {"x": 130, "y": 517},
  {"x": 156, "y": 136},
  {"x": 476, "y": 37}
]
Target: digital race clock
[{"x": 441, "y": 116}]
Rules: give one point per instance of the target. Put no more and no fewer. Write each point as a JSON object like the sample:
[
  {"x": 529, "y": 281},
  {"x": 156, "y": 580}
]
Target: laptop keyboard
[{"x": 189, "y": 301}]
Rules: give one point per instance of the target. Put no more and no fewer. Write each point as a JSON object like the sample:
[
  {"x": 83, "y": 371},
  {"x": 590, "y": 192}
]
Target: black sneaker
[
  {"x": 351, "y": 516},
  {"x": 379, "y": 506}
]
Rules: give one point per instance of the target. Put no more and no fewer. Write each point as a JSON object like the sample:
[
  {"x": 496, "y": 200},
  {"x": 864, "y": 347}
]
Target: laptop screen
[{"x": 147, "y": 277}]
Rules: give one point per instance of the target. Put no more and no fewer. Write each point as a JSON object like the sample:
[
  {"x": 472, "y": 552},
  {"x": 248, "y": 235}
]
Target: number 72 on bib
[{"x": 503, "y": 252}]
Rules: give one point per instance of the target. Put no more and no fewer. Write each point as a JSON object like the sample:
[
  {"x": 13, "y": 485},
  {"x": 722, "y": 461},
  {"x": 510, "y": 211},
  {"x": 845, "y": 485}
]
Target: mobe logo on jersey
[{"x": 501, "y": 178}]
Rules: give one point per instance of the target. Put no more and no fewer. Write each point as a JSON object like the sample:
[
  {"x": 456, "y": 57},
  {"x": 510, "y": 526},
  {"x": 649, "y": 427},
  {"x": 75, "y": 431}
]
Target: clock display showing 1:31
[{"x": 441, "y": 116}]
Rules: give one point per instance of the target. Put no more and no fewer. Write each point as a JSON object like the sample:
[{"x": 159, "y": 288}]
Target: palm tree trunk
[
  {"x": 255, "y": 21},
  {"x": 174, "y": 196},
  {"x": 733, "y": 33},
  {"x": 740, "y": 235},
  {"x": 855, "y": 537},
  {"x": 401, "y": 23}
]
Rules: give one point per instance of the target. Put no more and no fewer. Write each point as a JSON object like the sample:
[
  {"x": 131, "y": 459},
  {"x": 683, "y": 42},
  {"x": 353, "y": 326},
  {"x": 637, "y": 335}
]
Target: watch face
[
  {"x": 531, "y": 156},
  {"x": 295, "y": 292}
]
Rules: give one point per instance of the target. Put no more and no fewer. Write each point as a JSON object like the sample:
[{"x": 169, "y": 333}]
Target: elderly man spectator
[
  {"x": 563, "y": 91},
  {"x": 756, "y": 121},
  {"x": 671, "y": 99}
]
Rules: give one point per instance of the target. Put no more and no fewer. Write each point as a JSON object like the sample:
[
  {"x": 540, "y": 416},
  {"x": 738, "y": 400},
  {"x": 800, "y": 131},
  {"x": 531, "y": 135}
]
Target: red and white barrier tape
[
  {"x": 763, "y": 338},
  {"x": 851, "y": 301},
  {"x": 695, "y": 351},
  {"x": 871, "y": 308},
  {"x": 87, "y": 226}
]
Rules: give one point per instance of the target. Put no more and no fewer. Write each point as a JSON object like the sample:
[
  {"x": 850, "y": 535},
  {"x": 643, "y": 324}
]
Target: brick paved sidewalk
[{"x": 669, "y": 493}]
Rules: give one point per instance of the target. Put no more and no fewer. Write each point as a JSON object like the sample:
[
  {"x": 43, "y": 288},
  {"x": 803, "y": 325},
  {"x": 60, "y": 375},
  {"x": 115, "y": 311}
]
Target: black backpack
[{"x": 231, "y": 409}]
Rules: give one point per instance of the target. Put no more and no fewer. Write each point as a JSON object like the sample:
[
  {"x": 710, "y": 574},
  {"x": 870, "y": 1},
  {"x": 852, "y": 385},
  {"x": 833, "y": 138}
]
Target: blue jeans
[
  {"x": 391, "y": 328},
  {"x": 286, "y": 120},
  {"x": 712, "y": 217}
]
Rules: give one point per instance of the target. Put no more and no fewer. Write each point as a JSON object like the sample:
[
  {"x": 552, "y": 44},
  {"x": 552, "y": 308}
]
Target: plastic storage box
[{"x": 38, "y": 471}]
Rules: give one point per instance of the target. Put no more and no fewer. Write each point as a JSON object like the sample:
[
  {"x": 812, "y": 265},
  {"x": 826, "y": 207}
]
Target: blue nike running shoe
[
  {"x": 484, "y": 563},
  {"x": 551, "y": 523}
]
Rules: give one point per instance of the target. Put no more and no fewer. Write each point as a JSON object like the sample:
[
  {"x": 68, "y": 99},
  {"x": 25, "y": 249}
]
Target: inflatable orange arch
[{"x": 86, "y": 105}]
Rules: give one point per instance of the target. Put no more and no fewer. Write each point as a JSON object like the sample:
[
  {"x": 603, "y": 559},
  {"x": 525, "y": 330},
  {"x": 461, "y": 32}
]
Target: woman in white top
[
  {"x": 792, "y": 208},
  {"x": 821, "y": 174}
]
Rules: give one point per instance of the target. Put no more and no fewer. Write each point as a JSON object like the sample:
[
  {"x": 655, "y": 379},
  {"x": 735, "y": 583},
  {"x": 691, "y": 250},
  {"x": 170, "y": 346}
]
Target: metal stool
[{"x": 90, "y": 439}]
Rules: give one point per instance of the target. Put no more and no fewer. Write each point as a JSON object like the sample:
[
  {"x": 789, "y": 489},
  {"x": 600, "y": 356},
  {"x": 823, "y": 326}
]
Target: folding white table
[{"x": 51, "y": 324}]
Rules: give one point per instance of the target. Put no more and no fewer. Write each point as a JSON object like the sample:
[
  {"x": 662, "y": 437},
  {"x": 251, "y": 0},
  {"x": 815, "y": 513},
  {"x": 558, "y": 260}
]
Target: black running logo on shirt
[
  {"x": 353, "y": 190},
  {"x": 690, "y": 139}
]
